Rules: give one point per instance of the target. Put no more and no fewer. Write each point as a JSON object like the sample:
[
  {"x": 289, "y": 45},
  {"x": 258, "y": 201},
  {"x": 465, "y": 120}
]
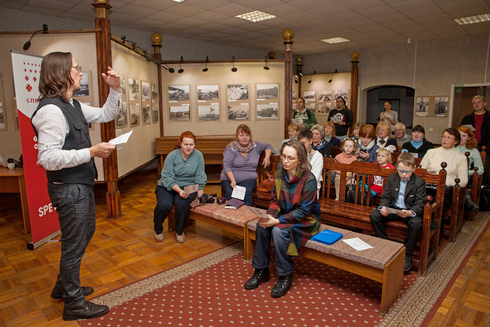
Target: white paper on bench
[{"x": 357, "y": 244}]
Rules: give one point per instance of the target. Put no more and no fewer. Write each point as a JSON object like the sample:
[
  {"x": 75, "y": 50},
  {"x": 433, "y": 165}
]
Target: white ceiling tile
[
  {"x": 165, "y": 17},
  {"x": 233, "y": 9},
  {"x": 155, "y": 5},
  {"x": 135, "y": 11},
  {"x": 43, "y": 11},
  {"x": 258, "y": 4}
]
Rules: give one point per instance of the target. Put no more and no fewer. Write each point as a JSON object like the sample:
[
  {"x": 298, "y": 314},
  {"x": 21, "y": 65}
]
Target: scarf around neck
[
  {"x": 236, "y": 146},
  {"x": 416, "y": 144},
  {"x": 320, "y": 146}
]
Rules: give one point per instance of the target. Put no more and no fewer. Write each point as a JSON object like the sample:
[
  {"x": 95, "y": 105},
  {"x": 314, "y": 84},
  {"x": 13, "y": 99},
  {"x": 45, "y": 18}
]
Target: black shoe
[
  {"x": 57, "y": 292},
  {"x": 470, "y": 205},
  {"x": 260, "y": 276},
  {"x": 282, "y": 286},
  {"x": 408, "y": 262},
  {"x": 88, "y": 311}
]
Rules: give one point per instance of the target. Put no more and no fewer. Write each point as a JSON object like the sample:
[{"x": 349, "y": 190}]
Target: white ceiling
[{"x": 364, "y": 22}]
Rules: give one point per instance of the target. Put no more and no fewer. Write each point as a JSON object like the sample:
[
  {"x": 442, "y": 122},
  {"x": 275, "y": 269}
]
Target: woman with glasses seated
[
  {"x": 457, "y": 165},
  {"x": 240, "y": 160},
  {"x": 292, "y": 218}
]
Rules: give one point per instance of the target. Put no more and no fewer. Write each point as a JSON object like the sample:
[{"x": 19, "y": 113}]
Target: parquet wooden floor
[{"x": 123, "y": 251}]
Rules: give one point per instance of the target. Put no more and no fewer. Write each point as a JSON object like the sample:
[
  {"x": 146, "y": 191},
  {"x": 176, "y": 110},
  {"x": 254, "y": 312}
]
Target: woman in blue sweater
[{"x": 183, "y": 167}]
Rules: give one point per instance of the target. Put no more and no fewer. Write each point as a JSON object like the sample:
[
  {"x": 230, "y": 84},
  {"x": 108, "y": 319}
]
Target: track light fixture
[
  {"x": 331, "y": 77},
  {"x": 171, "y": 70},
  {"x": 266, "y": 67},
  {"x": 234, "y": 69},
  {"x": 205, "y": 69},
  {"x": 27, "y": 45},
  {"x": 180, "y": 65},
  {"x": 314, "y": 73},
  {"x": 296, "y": 81}
]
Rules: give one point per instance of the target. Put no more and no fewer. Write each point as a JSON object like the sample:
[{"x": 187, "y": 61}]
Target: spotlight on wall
[
  {"x": 171, "y": 70},
  {"x": 180, "y": 71},
  {"x": 234, "y": 69},
  {"x": 205, "y": 69},
  {"x": 266, "y": 67},
  {"x": 296, "y": 81},
  {"x": 123, "y": 38},
  {"x": 314, "y": 73},
  {"x": 331, "y": 77},
  {"x": 27, "y": 45}
]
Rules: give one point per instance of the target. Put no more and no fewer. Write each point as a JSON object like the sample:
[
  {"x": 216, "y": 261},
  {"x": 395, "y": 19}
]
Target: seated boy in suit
[{"x": 404, "y": 192}]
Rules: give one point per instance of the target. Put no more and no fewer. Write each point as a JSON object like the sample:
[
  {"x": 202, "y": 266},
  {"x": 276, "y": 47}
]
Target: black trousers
[{"x": 415, "y": 225}]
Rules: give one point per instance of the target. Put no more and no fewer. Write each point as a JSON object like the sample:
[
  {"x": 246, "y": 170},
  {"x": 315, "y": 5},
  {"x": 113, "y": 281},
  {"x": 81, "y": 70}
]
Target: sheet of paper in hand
[
  {"x": 395, "y": 211},
  {"x": 189, "y": 189},
  {"x": 260, "y": 213},
  {"x": 239, "y": 192}
]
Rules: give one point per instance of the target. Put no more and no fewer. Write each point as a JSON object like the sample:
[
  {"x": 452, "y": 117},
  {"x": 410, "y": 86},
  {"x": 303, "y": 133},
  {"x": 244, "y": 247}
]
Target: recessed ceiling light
[
  {"x": 473, "y": 19},
  {"x": 256, "y": 16},
  {"x": 178, "y": 0},
  {"x": 335, "y": 40}
]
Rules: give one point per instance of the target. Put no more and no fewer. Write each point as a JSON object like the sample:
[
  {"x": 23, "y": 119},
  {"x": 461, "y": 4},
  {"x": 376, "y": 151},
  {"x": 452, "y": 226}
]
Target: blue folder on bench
[{"x": 327, "y": 236}]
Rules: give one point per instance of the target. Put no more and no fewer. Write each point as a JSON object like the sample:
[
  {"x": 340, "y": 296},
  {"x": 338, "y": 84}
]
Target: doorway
[{"x": 402, "y": 100}]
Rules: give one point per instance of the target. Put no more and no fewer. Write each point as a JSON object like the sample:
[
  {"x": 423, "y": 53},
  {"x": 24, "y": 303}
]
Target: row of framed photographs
[
  {"x": 432, "y": 106},
  {"x": 139, "y": 103},
  {"x": 212, "y": 112},
  {"x": 321, "y": 102},
  {"x": 234, "y": 92}
]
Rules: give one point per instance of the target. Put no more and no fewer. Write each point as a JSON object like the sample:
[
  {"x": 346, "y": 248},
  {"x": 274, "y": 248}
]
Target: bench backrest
[{"x": 359, "y": 174}]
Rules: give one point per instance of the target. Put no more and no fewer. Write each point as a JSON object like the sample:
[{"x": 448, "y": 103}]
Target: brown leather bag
[{"x": 266, "y": 185}]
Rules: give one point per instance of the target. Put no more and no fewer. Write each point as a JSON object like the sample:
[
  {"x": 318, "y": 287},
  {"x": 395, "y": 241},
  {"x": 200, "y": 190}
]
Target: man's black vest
[{"x": 77, "y": 138}]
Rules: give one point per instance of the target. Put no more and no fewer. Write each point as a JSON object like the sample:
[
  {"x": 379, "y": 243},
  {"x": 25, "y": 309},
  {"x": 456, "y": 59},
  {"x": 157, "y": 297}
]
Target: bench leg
[
  {"x": 392, "y": 281},
  {"x": 249, "y": 245}
]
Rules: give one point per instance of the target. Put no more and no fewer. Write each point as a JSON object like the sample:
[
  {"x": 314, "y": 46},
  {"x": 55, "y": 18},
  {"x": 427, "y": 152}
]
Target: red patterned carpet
[{"x": 209, "y": 292}]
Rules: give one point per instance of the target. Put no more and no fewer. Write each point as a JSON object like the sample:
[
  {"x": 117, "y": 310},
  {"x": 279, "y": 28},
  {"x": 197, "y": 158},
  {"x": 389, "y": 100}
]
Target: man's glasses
[
  {"x": 405, "y": 171},
  {"x": 286, "y": 158},
  {"x": 78, "y": 67}
]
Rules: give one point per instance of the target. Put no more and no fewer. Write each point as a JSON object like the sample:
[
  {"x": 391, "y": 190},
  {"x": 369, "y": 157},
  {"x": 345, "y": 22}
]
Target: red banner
[{"x": 43, "y": 217}]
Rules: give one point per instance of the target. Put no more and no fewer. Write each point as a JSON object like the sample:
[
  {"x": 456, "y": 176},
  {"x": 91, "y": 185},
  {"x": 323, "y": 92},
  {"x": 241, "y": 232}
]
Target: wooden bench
[
  {"x": 356, "y": 215},
  {"x": 383, "y": 263}
]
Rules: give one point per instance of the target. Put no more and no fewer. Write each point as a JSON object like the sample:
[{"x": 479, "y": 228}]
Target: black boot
[
  {"x": 470, "y": 205},
  {"x": 87, "y": 311},
  {"x": 407, "y": 265},
  {"x": 57, "y": 292},
  {"x": 260, "y": 276},
  {"x": 282, "y": 286}
]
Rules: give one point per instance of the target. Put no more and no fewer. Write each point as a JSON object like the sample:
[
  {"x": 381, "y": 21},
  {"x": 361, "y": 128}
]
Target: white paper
[
  {"x": 191, "y": 188},
  {"x": 239, "y": 192},
  {"x": 395, "y": 211},
  {"x": 259, "y": 212},
  {"x": 469, "y": 126},
  {"x": 357, "y": 244},
  {"x": 121, "y": 139}
]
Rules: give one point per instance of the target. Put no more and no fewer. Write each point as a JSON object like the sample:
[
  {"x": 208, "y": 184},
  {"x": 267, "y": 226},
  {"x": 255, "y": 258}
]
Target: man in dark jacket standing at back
[
  {"x": 479, "y": 119},
  {"x": 66, "y": 152}
]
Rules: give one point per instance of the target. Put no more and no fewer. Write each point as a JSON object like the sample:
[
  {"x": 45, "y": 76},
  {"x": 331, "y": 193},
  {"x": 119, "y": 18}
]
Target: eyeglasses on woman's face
[
  {"x": 287, "y": 158},
  {"x": 77, "y": 67}
]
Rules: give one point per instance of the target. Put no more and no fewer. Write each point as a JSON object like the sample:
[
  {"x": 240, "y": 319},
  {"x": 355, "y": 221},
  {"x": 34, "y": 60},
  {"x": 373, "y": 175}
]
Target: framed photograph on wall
[
  {"x": 134, "y": 113},
  {"x": 208, "y": 112},
  {"x": 309, "y": 96},
  {"x": 239, "y": 111},
  {"x": 154, "y": 104},
  {"x": 422, "y": 106},
  {"x": 324, "y": 108},
  {"x": 3, "y": 119},
  {"x": 267, "y": 111},
  {"x": 237, "y": 92},
  {"x": 145, "y": 91},
  {"x": 133, "y": 88},
  {"x": 441, "y": 106},
  {"x": 267, "y": 91},
  {"x": 207, "y": 92},
  {"x": 178, "y": 93},
  {"x": 122, "y": 118},
  {"x": 146, "y": 113},
  {"x": 180, "y": 113},
  {"x": 84, "y": 86},
  {"x": 325, "y": 96}
]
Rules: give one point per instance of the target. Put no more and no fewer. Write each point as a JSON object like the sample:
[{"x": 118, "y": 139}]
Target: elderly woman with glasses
[
  {"x": 292, "y": 218},
  {"x": 457, "y": 165}
]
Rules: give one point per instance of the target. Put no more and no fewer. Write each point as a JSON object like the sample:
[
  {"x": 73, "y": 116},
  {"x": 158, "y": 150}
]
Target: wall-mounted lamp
[
  {"x": 234, "y": 69},
  {"x": 27, "y": 45},
  {"x": 331, "y": 77},
  {"x": 266, "y": 67},
  {"x": 314, "y": 73},
  {"x": 205, "y": 69},
  {"x": 180, "y": 65}
]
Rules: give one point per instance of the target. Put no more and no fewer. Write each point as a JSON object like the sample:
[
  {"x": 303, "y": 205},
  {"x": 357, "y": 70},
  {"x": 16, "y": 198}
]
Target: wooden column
[
  {"x": 288, "y": 83},
  {"x": 157, "y": 44},
  {"x": 353, "y": 84},
  {"x": 108, "y": 131}
]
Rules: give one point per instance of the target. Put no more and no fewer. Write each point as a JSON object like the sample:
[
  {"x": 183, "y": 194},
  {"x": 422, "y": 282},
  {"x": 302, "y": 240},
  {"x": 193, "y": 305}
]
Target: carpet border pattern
[
  {"x": 159, "y": 280},
  {"x": 417, "y": 302}
]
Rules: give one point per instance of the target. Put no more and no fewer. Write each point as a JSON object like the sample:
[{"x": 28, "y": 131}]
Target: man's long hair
[{"x": 55, "y": 78}]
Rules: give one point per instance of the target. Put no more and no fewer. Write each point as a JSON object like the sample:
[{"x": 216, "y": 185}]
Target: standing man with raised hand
[
  {"x": 67, "y": 154},
  {"x": 302, "y": 116},
  {"x": 342, "y": 117}
]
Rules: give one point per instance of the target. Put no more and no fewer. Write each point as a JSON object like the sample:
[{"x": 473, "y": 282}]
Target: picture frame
[
  {"x": 122, "y": 117},
  {"x": 237, "y": 92},
  {"x": 268, "y": 111},
  {"x": 422, "y": 106},
  {"x": 207, "y": 93},
  {"x": 441, "y": 106},
  {"x": 180, "y": 113},
  {"x": 178, "y": 93},
  {"x": 209, "y": 112},
  {"x": 133, "y": 88},
  {"x": 267, "y": 91},
  {"x": 134, "y": 113},
  {"x": 239, "y": 111}
]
